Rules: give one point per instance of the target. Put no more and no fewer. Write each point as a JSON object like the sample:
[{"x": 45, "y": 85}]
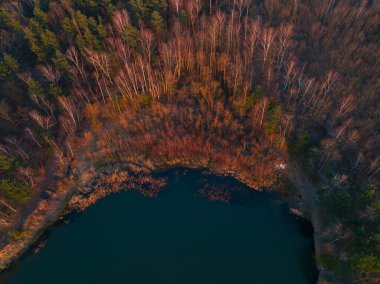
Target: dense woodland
[{"x": 242, "y": 83}]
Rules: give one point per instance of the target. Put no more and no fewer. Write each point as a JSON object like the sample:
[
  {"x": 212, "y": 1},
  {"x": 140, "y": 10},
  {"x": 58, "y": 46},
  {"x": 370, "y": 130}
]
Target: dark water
[{"x": 178, "y": 237}]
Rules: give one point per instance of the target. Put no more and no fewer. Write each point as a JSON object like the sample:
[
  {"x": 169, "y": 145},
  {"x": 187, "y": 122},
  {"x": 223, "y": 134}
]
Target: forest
[{"x": 231, "y": 84}]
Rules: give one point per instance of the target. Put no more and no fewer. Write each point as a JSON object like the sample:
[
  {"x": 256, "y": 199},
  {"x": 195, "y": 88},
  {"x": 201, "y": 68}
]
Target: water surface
[{"x": 178, "y": 237}]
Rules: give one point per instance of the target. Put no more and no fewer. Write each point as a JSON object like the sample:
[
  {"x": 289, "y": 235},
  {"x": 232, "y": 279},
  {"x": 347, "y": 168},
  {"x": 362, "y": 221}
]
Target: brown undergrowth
[
  {"x": 167, "y": 133},
  {"x": 105, "y": 183}
]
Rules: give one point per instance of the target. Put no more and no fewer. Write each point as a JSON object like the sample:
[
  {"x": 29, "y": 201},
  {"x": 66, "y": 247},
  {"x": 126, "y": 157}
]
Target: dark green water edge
[{"x": 179, "y": 237}]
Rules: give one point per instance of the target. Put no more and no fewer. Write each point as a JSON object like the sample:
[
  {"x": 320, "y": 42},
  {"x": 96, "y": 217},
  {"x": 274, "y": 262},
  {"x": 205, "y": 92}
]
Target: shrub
[
  {"x": 16, "y": 235},
  {"x": 338, "y": 204},
  {"x": 329, "y": 261},
  {"x": 146, "y": 100},
  {"x": 300, "y": 145},
  {"x": 368, "y": 264}
]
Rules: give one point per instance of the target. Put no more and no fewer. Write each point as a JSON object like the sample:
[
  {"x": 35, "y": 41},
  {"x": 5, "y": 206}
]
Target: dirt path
[{"x": 309, "y": 193}]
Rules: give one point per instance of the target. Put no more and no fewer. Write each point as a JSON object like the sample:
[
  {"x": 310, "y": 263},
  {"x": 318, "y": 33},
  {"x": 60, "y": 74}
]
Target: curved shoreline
[{"x": 13, "y": 250}]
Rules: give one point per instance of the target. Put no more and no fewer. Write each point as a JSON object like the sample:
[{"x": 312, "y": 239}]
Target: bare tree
[
  {"x": 13, "y": 141},
  {"x": 50, "y": 73},
  {"x": 68, "y": 104},
  {"x": 346, "y": 106},
  {"x": 285, "y": 46},
  {"x": 177, "y": 4},
  {"x": 30, "y": 133},
  {"x": 7, "y": 205},
  {"x": 120, "y": 20},
  {"x": 26, "y": 175},
  {"x": 45, "y": 122},
  {"x": 147, "y": 43},
  {"x": 57, "y": 150},
  {"x": 267, "y": 42}
]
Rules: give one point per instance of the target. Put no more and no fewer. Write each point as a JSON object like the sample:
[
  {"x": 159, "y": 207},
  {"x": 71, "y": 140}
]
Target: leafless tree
[
  {"x": 267, "y": 42},
  {"x": 45, "y": 122},
  {"x": 50, "y": 73},
  {"x": 176, "y": 4},
  {"x": 26, "y": 175},
  {"x": 346, "y": 106},
  {"x": 57, "y": 149},
  {"x": 5, "y": 149},
  {"x": 120, "y": 20},
  {"x": 14, "y": 142},
  {"x": 30, "y": 133},
  {"x": 147, "y": 43},
  {"x": 71, "y": 109},
  {"x": 285, "y": 46}
]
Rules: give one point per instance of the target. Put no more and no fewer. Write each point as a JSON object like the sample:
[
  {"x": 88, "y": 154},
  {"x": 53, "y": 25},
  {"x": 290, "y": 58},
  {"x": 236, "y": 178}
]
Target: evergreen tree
[
  {"x": 35, "y": 88},
  {"x": 11, "y": 63},
  {"x": 39, "y": 15},
  {"x": 55, "y": 90},
  {"x": 157, "y": 5},
  {"x": 8, "y": 66},
  {"x": 139, "y": 10},
  {"x": 15, "y": 189},
  {"x": 131, "y": 35},
  {"x": 7, "y": 21},
  {"x": 156, "y": 21},
  {"x": 61, "y": 62},
  {"x": 6, "y": 163},
  {"x": 183, "y": 18},
  {"x": 273, "y": 118}
]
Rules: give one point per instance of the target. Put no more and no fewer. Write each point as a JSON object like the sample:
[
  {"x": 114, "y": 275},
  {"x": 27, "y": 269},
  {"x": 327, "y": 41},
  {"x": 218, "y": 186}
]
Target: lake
[{"x": 178, "y": 237}]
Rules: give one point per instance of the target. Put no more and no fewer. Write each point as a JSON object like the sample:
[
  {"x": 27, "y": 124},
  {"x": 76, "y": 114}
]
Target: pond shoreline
[{"x": 12, "y": 251}]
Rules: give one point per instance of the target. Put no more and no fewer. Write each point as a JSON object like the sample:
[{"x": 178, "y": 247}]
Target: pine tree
[
  {"x": 11, "y": 63},
  {"x": 39, "y": 14},
  {"x": 68, "y": 26},
  {"x": 34, "y": 43},
  {"x": 273, "y": 118},
  {"x": 61, "y": 62},
  {"x": 8, "y": 66},
  {"x": 15, "y": 189},
  {"x": 6, "y": 163},
  {"x": 55, "y": 90},
  {"x": 131, "y": 36},
  {"x": 101, "y": 29},
  {"x": 35, "y": 88},
  {"x": 183, "y": 18},
  {"x": 49, "y": 41},
  {"x": 157, "y": 5},
  {"x": 7, "y": 21},
  {"x": 156, "y": 21},
  {"x": 139, "y": 10}
]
